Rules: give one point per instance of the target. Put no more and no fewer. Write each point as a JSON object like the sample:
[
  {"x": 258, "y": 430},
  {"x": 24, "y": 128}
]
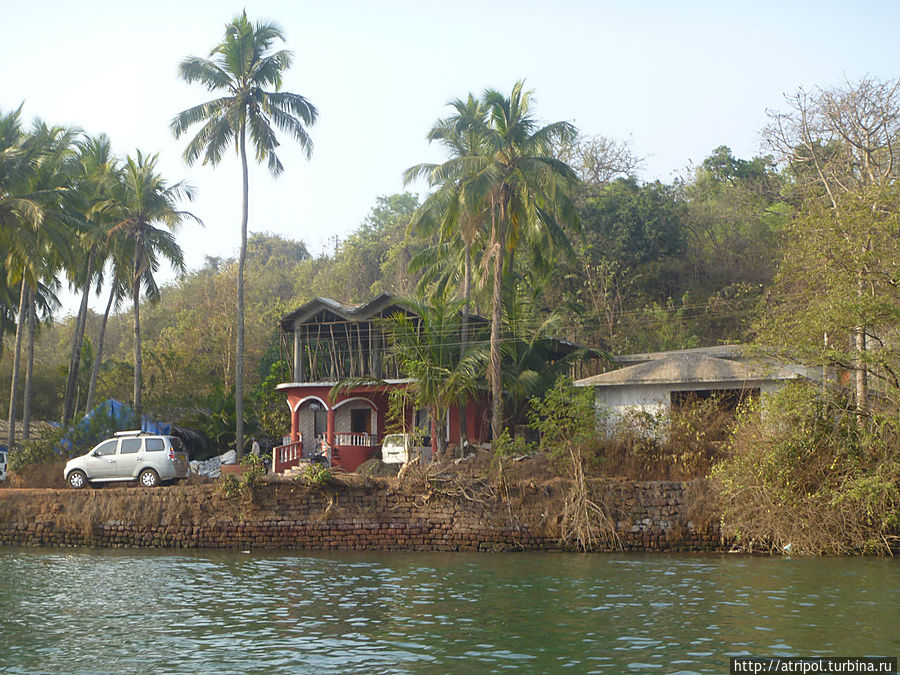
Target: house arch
[{"x": 309, "y": 398}]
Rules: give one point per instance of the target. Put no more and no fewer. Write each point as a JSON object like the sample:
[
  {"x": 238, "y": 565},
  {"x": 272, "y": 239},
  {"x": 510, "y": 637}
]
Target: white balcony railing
[
  {"x": 355, "y": 440},
  {"x": 286, "y": 456}
]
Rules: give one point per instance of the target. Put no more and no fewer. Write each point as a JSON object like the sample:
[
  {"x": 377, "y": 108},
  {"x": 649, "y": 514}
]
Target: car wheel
[
  {"x": 77, "y": 480},
  {"x": 148, "y": 478}
]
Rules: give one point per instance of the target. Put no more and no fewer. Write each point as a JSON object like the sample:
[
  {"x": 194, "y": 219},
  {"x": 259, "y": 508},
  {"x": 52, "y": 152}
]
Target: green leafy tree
[
  {"x": 242, "y": 67},
  {"x": 839, "y": 274}
]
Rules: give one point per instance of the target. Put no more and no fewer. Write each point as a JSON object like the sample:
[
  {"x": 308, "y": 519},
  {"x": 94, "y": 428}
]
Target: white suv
[{"x": 131, "y": 455}]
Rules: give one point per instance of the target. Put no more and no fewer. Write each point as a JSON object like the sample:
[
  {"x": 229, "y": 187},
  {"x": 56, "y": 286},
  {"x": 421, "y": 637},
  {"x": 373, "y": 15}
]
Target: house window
[
  {"x": 728, "y": 399},
  {"x": 359, "y": 420}
]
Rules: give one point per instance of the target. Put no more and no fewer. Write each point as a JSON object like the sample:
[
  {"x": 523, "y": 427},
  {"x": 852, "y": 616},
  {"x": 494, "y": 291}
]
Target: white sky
[{"x": 677, "y": 79}]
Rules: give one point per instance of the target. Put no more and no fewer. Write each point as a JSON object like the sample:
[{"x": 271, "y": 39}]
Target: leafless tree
[{"x": 840, "y": 145}]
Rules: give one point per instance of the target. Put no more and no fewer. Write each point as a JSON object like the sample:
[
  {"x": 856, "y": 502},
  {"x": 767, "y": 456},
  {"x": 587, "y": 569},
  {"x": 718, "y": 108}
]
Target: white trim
[
  {"x": 355, "y": 398},
  {"x": 308, "y": 398},
  {"x": 299, "y": 385},
  {"x": 331, "y": 383}
]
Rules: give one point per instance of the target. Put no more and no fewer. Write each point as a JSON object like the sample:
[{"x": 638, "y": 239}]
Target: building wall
[{"x": 654, "y": 398}]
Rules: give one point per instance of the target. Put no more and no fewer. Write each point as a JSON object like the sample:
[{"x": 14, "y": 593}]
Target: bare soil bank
[{"x": 365, "y": 514}]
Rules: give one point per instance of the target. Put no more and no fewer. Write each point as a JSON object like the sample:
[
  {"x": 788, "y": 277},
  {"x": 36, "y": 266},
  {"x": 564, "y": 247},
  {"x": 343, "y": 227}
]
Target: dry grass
[
  {"x": 681, "y": 446},
  {"x": 39, "y": 476}
]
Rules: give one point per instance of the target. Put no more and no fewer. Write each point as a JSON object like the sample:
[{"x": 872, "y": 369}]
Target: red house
[{"x": 334, "y": 342}]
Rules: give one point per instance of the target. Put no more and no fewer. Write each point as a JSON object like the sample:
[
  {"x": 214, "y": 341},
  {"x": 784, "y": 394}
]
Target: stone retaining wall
[{"x": 650, "y": 516}]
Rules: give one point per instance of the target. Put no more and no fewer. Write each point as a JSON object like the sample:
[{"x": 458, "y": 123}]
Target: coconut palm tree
[
  {"x": 34, "y": 236},
  {"x": 42, "y": 303},
  {"x": 449, "y": 210},
  {"x": 243, "y": 67},
  {"x": 521, "y": 193},
  {"x": 147, "y": 200},
  {"x": 118, "y": 289},
  {"x": 95, "y": 175}
]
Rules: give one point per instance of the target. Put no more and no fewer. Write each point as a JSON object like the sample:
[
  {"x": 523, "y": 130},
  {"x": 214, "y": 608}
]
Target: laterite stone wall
[{"x": 377, "y": 515}]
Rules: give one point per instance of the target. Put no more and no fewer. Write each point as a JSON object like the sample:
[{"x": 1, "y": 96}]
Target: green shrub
[
  {"x": 315, "y": 475},
  {"x": 565, "y": 419},
  {"x": 567, "y": 422},
  {"x": 256, "y": 469},
  {"x": 507, "y": 446},
  {"x": 230, "y": 486}
]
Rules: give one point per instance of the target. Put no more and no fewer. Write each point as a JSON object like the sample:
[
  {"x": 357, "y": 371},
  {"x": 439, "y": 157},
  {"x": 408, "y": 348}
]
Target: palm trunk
[
  {"x": 136, "y": 300},
  {"x": 239, "y": 351},
  {"x": 439, "y": 428},
  {"x": 14, "y": 384},
  {"x": 496, "y": 312},
  {"x": 95, "y": 370},
  {"x": 464, "y": 339},
  {"x": 77, "y": 339},
  {"x": 29, "y": 369}
]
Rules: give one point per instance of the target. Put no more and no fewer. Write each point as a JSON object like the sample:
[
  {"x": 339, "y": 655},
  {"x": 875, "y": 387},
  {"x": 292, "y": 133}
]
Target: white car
[
  {"x": 400, "y": 448},
  {"x": 132, "y": 455},
  {"x": 3, "y": 459}
]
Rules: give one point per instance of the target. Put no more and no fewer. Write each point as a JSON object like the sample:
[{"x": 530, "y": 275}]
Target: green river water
[{"x": 68, "y": 611}]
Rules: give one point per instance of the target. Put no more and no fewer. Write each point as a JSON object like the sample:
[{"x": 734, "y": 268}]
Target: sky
[{"x": 675, "y": 79}]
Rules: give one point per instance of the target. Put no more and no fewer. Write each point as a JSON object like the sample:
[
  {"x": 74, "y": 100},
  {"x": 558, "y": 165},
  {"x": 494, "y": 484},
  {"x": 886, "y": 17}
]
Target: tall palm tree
[
  {"x": 242, "y": 67},
  {"x": 522, "y": 193},
  {"x": 42, "y": 299},
  {"x": 147, "y": 200},
  {"x": 33, "y": 232},
  {"x": 118, "y": 288},
  {"x": 449, "y": 210},
  {"x": 95, "y": 176}
]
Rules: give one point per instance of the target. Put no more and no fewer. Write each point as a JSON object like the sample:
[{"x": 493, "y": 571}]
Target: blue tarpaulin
[{"x": 122, "y": 417}]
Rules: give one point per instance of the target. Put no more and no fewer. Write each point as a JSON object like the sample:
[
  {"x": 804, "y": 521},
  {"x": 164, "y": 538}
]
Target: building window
[{"x": 727, "y": 400}]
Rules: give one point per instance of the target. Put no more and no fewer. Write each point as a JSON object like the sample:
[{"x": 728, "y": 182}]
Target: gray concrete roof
[
  {"x": 718, "y": 351},
  {"x": 688, "y": 366}
]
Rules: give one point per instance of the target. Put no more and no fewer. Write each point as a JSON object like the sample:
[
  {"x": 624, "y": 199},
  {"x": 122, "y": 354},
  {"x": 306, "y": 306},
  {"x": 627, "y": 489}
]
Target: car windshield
[{"x": 176, "y": 443}]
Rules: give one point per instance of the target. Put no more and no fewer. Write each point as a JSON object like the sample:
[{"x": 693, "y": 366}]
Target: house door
[{"x": 320, "y": 423}]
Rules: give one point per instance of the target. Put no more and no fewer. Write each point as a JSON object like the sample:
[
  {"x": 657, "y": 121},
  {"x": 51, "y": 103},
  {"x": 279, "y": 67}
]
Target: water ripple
[{"x": 213, "y": 612}]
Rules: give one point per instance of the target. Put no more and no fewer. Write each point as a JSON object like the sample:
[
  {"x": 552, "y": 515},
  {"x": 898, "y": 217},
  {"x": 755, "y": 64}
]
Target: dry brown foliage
[
  {"x": 682, "y": 445},
  {"x": 39, "y": 476}
]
